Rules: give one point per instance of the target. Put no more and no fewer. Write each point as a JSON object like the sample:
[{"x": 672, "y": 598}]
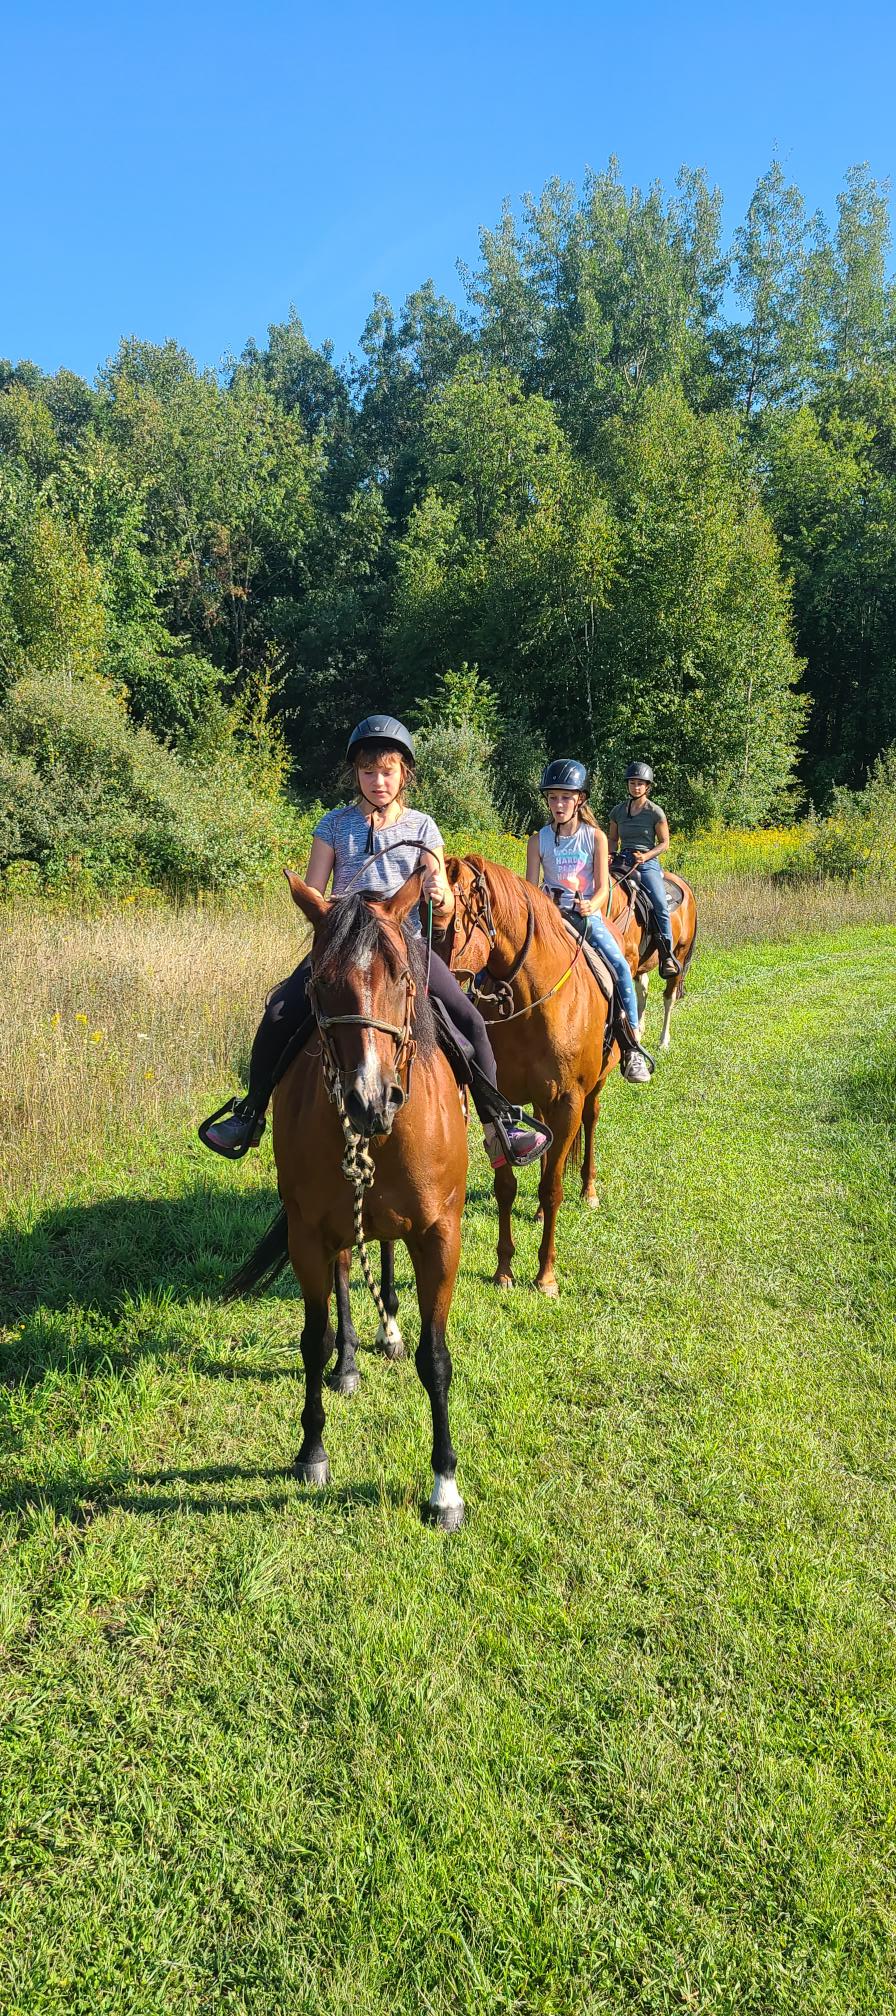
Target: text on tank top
[{"x": 567, "y": 861}]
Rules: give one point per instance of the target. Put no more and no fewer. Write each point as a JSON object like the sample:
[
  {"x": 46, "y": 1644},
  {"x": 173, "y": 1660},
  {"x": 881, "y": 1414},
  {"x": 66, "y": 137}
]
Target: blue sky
[{"x": 190, "y": 170}]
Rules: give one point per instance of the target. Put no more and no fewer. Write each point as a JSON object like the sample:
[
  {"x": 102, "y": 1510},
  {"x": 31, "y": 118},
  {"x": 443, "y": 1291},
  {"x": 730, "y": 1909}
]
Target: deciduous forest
[{"x": 636, "y": 495}]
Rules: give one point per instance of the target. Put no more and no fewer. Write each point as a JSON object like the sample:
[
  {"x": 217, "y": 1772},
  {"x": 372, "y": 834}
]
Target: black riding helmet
[
  {"x": 383, "y": 731},
  {"x": 564, "y": 774},
  {"x": 640, "y": 770}
]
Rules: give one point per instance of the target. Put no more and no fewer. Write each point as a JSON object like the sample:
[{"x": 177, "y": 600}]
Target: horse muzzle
[{"x": 372, "y": 1113}]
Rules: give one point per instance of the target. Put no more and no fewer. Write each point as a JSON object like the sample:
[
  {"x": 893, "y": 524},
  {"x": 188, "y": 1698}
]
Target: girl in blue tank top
[{"x": 572, "y": 855}]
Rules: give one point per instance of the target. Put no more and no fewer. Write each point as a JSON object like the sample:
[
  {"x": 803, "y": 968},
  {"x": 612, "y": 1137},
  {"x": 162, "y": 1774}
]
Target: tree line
[{"x": 637, "y": 495}]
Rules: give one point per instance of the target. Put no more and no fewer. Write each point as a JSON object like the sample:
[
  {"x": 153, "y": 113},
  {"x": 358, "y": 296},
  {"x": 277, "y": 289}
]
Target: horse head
[{"x": 363, "y": 992}]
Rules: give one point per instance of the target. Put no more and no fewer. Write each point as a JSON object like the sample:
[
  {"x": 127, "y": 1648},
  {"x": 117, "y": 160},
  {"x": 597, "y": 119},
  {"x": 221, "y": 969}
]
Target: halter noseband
[
  {"x": 402, "y": 1034},
  {"x": 476, "y": 904}
]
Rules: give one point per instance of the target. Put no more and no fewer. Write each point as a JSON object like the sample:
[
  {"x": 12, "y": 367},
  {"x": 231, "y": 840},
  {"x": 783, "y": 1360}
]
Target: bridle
[
  {"x": 402, "y": 1035},
  {"x": 476, "y": 905}
]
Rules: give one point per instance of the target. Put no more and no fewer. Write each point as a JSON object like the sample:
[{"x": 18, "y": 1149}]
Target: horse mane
[
  {"x": 351, "y": 935},
  {"x": 508, "y": 901}
]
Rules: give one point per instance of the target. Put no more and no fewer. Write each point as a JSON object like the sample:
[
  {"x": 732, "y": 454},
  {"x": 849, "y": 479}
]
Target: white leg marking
[
  {"x": 445, "y": 1495},
  {"x": 667, "y": 1017},
  {"x": 388, "y": 1333}
]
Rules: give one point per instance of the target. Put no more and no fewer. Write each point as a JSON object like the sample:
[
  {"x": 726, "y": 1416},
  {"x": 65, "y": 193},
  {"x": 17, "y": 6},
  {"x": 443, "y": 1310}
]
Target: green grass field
[{"x": 624, "y": 1744}]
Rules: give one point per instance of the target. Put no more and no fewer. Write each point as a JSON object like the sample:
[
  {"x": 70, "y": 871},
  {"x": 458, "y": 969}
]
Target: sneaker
[
  {"x": 233, "y": 1130},
  {"x": 516, "y": 1138},
  {"x": 635, "y": 1068}
]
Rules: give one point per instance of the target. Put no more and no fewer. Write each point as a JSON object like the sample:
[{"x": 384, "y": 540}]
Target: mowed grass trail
[{"x": 626, "y": 1743}]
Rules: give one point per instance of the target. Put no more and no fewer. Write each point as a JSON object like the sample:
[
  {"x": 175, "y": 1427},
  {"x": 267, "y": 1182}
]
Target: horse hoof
[
  {"x": 315, "y": 1474},
  {"x": 345, "y": 1383},
  {"x": 503, "y": 1279},
  {"x": 548, "y": 1288},
  {"x": 390, "y": 1341},
  {"x": 445, "y": 1518},
  {"x": 592, "y": 1200}
]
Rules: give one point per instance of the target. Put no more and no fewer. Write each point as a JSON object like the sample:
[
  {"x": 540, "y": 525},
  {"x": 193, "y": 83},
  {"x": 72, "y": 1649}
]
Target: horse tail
[
  {"x": 263, "y": 1266},
  {"x": 574, "y": 1152}
]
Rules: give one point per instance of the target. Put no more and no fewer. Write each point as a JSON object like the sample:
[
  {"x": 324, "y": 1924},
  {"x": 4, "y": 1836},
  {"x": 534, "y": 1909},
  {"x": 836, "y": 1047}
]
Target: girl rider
[
  {"x": 639, "y": 834},
  {"x": 348, "y": 846},
  {"x": 572, "y": 855}
]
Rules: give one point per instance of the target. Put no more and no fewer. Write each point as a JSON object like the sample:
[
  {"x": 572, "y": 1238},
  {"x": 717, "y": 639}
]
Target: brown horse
[
  {"x": 376, "y": 1075},
  {"x": 640, "y": 944},
  {"x": 550, "y": 1047}
]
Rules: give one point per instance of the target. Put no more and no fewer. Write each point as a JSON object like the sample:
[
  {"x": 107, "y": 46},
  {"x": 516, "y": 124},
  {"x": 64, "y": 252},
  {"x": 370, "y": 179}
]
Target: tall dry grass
[
  {"x": 107, "y": 1022},
  {"x": 110, "y": 1022}
]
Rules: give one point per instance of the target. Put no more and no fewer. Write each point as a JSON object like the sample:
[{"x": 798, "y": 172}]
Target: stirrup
[
  {"x": 236, "y": 1153},
  {"x": 516, "y": 1116},
  {"x": 633, "y": 1042}
]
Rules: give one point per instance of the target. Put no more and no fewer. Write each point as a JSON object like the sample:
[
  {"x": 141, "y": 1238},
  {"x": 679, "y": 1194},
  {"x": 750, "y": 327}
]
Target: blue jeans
[
  {"x": 599, "y": 935},
  {"x": 650, "y": 876}
]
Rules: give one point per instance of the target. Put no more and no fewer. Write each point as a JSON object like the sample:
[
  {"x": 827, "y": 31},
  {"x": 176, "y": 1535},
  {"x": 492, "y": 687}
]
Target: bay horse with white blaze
[{"x": 375, "y": 1075}]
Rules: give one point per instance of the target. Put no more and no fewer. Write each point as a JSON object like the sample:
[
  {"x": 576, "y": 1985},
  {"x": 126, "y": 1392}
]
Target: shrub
[
  {"x": 857, "y": 842},
  {"x": 91, "y": 794},
  {"x": 454, "y": 783}
]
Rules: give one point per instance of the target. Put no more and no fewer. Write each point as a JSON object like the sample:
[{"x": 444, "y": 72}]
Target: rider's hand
[
  {"x": 437, "y": 890},
  {"x": 585, "y": 906}
]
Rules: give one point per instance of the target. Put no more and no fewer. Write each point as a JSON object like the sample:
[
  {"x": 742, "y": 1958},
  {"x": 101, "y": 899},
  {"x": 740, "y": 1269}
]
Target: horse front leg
[
  {"x": 345, "y": 1376},
  {"x": 435, "y": 1258},
  {"x": 642, "y": 982},
  {"x": 389, "y": 1339},
  {"x": 589, "y": 1122},
  {"x": 564, "y": 1120},
  {"x": 314, "y": 1272},
  {"x": 505, "y": 1189}
]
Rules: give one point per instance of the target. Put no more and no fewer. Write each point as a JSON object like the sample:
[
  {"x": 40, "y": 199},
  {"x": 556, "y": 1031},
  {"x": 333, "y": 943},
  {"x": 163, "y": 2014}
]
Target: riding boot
[{"x": 669, "y": 966}]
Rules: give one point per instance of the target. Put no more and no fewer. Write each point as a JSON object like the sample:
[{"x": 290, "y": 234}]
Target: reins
[{"x": 357, "y": 1163}]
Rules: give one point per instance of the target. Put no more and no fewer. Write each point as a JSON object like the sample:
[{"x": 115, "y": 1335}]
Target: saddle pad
[{"x": 599, "y": 969}]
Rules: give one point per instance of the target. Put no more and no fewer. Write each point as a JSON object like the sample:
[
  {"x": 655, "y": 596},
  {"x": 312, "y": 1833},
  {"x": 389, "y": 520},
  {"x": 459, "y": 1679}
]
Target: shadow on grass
[
  {"x": 102, "y": 1254},
  {"x": 868, "y": 1093},
  {"x": 81, "y": 1500}
]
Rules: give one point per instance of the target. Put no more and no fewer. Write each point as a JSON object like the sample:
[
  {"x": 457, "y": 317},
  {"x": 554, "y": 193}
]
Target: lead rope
[{"x": 358, "y": 1170}]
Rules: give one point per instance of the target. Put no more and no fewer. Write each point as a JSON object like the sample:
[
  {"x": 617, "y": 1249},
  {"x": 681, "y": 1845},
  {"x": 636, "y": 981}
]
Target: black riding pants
[{"x": 287, "y": 1008}]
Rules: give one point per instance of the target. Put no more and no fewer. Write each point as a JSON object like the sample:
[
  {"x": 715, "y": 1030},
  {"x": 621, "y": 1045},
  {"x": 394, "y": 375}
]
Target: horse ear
[
  {"x": 452, "y": 870},
  {"x": 399, "y": 906},
  {"x": 312, "y": 904}
]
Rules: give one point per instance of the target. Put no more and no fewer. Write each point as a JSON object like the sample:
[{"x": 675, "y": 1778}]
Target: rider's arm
[
  {"x": 601, "y": 871},
  {"x": 436, "y": 885},
  {"x": 613, "y": 837},
  {"x": 533, "y": 860},
  {"x": 320, "y": 865},
  {"x": 598, "y": 899}
]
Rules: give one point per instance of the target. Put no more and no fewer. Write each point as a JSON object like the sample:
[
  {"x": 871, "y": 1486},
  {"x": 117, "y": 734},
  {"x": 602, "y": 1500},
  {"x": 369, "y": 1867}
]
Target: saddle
[{"x": 642, "y": 905}]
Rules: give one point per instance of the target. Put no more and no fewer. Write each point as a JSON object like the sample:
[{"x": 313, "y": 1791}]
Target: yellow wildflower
[{"x": 81, "y": 1018}]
